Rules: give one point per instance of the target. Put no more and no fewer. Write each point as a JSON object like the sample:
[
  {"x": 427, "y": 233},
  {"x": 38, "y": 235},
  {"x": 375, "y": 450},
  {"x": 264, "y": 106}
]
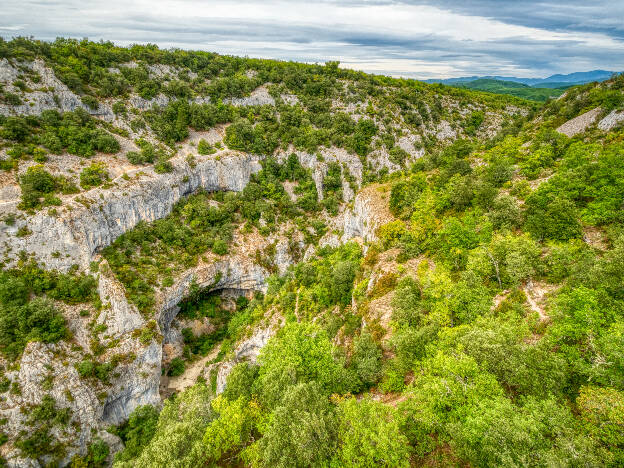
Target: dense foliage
[
  {"x": 484, "y": 327},
  {"x": 150, "y": 254},
  {"x": 27, "y": 310},
  {"x": 470, "y": 368},
  {"x": 514, "y": 89}
]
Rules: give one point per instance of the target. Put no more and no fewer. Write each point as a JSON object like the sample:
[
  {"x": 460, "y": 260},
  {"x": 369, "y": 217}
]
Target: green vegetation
[
  {"x": 137, "y": 432},
  {"x": 39, "y": 188},
  {"x": 469, "y": 368},
  {"x": 38, "y": 442},
  {"x": 512, "y": 88},
  {"x": 27, "y": 312},
  {"x": 311, "y": 123},
  {"x": 93, "y": 175},
  {"x": 485, "y": 327},
  {"x": 75, "y": 132},
  {"x": 149, "y": 255}
]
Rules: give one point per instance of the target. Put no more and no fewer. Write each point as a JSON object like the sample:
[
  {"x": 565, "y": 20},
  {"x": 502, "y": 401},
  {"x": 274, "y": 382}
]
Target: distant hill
[
  {"x": 512, "y": 88},
  {"x": 553, "y": 81}
]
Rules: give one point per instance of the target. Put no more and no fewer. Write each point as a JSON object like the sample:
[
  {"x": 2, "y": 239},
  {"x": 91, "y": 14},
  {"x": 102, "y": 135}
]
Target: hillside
[
  {"x": 512, "y": 88},
  {"x": 221, "y": 261},
  {"x": 552, "y": 81}
]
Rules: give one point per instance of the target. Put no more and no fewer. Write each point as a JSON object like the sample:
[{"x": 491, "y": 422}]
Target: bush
[
  {"x": 91, "y": 102},
  {"x": 93, "y": 369},
  {"x": 38, "y": 187},
  {"x": 552, "y": 218},
  {"x": 93, "y": 175},
  {"x": 366, "y": 359},
  {"x": 137, "y": 432},
  {"x": 176, "y": 367},
  {"x": 37, "y": 320},
  {"x": 203, "y": 147},
  {"x": 119, "y": 108},
  {"x": 15, "y": 128}
]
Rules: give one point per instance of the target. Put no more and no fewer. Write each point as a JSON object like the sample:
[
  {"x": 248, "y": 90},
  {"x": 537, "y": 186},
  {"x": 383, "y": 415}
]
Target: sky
[{"x": 412, "y": 38}]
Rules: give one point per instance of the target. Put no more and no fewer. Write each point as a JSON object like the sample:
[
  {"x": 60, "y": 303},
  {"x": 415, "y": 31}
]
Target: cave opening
[{"x": 204, "y": 330}]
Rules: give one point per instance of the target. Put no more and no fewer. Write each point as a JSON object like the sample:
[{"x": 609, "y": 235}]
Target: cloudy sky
[{"x": 413, "y": 38}]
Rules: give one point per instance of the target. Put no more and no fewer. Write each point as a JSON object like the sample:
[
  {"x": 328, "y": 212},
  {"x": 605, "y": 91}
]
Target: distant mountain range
[{"x": 553, "y": 81}]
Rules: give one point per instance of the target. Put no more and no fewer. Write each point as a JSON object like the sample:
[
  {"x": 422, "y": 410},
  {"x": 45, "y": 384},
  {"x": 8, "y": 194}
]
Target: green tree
[
  {"x": 602, "y": 414},
  {"x": 301, "y": 352},
  {"x": 366, "y": 358},
  {"x": 301, "y": 431},
  {"x": 369, "y": 435},
  {"x": 231, "y": 429},
  {"x": 137, "y": 432},
  {"x": 178, "y": 439},
  {"x": 93, "y": 175}
]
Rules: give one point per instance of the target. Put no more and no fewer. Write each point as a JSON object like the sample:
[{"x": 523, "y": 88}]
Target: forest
[{"x": 483, "y": 326}]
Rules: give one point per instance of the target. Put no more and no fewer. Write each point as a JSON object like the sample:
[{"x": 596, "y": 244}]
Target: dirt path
[
  {"x": 536, "y": 297},
  {"x": 189, "y": 378}
]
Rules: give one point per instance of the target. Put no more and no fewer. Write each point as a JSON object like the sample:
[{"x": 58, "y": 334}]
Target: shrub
[
  {"x": 137, "y": 432},
  {"x": 203, "y": 147},
  {"x": 93, "y": 175},
  {"x": 91, "y": 102},
  {"x": 38, "y": 187},
  {"x": 366, "y": 359},
  {"x": 176, "y": 367},
  {"x": 93, "y": 369},
  {"x": 37, "y": 320},
  {"x": 119, "y": 108}
]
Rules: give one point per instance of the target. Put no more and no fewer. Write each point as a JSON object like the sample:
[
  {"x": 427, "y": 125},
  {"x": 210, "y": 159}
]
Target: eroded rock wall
[{"x": 92, "y": 220}]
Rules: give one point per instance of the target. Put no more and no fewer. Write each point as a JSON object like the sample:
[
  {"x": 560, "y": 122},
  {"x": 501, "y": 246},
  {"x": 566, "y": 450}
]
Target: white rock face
[
  {"x": 247, "y": 351},
  {"x": 136, "y": 383},
  {"x": 444, "y": 131},
  {"x": 230, "y": 272},
  {"x": 40, "y": 363},
  {"x": 258, "y": 97},
  {"x": 119, "y": 317},
  {"x": 145, "y": 104},
  {"x": 611, "y": 120},
  {"x": 579, "y": 124},
  {"x": 363, "y": 220},
  {"x": 56, "y": 95},
  {"x": 79, "y": 231},
  {"x": 319, "y": 168}
]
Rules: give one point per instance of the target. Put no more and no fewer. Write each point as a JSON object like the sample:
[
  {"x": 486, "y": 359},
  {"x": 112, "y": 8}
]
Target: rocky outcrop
[
  {"x": 444, "y": 131},
  {"x": 579, "y": 124},
  {"x": 369, "y": 212},
  {"x": 137, "y": 376},
  {"x": 119, "y": 316},
  {"x": 611, "y": 120},
  {"x": 93, "y": 220},
  {"x": 40, "y": 364},
  {"x": 49, "y": 93},
  {"x": 258, "y": 97},
  {"x": 229, "y": 272},
  {"x": 247, "y": 351},
  {"x": 318, "y": 166},
  {"x": 136, "y": 383}
]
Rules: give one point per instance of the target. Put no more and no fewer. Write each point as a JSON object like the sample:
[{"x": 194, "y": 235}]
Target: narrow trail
[{"x": 189, "y": 377}]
